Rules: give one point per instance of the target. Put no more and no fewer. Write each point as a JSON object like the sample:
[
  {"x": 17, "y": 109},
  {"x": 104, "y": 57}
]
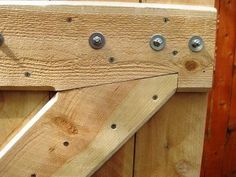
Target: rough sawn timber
[
  {"x": 74, "y": 133},
  {"x": 46, "y": 44}
]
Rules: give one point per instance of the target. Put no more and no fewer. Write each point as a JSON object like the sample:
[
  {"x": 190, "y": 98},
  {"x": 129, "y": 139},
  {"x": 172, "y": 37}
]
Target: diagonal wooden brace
[{"x": 78, "y": 130}]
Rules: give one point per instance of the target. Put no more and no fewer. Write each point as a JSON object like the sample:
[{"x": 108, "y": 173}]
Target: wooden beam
[
  {"x": 46, "y": 44},
  {"x": 185, "y": 2},
  {"x": 78, "y": 130}
]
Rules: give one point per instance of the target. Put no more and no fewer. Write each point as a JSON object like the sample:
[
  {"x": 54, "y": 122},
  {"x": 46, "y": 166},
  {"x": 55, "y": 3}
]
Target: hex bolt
[
  {"x": 1, "y": 39},
  {"x": 196, "y": 44},
  {"x": 157, "y": 42},
  {"x": 97, "y": 40}
]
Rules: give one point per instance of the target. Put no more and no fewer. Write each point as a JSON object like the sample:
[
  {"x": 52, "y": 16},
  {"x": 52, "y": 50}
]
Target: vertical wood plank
[
  {"x": 229, "y": 159},
  {"x": 15, "y": 107},
  {"x": 171, "y": 143},
  {"x": 121, "y": 164}
]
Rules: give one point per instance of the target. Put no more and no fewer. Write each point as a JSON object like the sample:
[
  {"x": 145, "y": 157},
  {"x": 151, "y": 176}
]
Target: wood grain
[
  {"x": 120, "y": 164},
  {"x": 43, "y": 49},
  {"x": 170, "y": 144},
  {"x": 185, "y": 2},
  {"x": 181, "y": 157},
  {"x": 15, "y": 107},
  {"x": 73, "y": 136},
  {"x": 219, "y": 148}
]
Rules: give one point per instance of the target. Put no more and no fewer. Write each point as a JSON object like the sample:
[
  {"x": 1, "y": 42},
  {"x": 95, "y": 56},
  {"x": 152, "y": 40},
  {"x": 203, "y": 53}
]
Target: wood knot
[
  {"x": 191, "y": 65},
  {"x": 65, "y": 125},
  {"x": 185, "y": 169}
]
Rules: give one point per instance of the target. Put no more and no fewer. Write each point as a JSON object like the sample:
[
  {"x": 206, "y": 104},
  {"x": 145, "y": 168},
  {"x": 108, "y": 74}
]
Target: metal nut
[
  {"x": 196, "y": 44},
  {"x": 97, "y": 40},
  {"x": 157, "y": 42}
]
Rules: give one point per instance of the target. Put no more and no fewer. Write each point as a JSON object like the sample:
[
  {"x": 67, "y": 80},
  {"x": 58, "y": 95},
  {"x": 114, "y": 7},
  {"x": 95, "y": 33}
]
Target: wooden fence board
[
  {"x": 15, "y": 107},
  {"x": 72, "y": 135},
  {"x": 120, "y": 164},
  {"x": 185, "y": 2},
  {"x": 170, "y": 144},
  {"x": 108, "y": 169},
  {"x": 173, "y": 159},
  {"x": 42, "y": 49}
]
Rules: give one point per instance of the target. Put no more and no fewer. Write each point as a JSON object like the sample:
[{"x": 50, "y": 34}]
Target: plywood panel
[{"x": 170, "y": 144}]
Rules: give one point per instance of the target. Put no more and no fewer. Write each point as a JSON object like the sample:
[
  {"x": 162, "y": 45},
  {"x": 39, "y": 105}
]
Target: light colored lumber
[
  {"x": 171, "y": 143},
  {"x": 83, "y": 118},
  {"x": 120, "y": 164},
  {"x": 15, "y": 107},
  {"x": 185, "y": 2},
  {"x": 147, "y": 161},
  {"x": 56, "y": 53},
  {"x": 103, "y": 0}
]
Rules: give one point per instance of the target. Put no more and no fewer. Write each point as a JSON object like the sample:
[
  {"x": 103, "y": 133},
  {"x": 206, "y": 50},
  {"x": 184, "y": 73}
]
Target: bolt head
[
  {"x": 97, "y": 40},
  {"x": 157, "y": 42},
  {"x": 196, "y": 44}
]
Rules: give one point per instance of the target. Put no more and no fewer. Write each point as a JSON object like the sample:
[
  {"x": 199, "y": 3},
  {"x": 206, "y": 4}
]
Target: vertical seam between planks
[{"x": 134, "y": 155}]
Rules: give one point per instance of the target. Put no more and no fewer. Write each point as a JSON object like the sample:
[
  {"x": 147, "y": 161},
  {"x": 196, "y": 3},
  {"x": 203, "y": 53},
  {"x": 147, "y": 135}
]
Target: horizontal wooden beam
[
  {"x": 78, "y": 130},
  {"x": 46, "y": 44}
]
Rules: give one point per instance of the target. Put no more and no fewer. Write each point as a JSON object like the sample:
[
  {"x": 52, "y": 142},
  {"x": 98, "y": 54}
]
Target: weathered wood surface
[
  {"x": 219, "y": 151},
  {"x": 73, "y": 136},
  {"x": 53, "y": 52}
]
